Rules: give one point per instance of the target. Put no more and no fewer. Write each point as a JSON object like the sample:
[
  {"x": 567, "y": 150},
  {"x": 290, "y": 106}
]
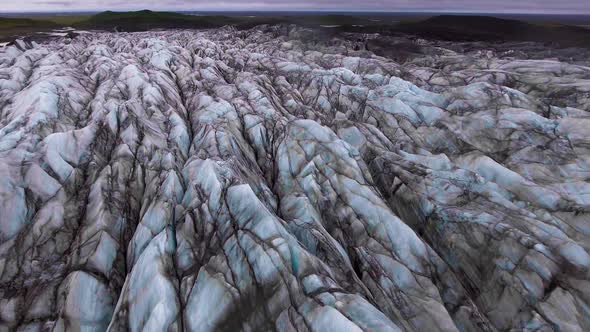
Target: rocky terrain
[{"x": 281, "y": 179}]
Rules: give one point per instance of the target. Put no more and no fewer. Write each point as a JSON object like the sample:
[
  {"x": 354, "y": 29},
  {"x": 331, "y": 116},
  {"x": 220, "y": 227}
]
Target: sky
[{"x": 483, "y": 6}]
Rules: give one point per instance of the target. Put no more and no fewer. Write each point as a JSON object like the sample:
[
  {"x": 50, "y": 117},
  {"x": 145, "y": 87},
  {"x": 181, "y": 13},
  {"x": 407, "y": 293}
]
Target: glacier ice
[{"x": 256, "y": 180}]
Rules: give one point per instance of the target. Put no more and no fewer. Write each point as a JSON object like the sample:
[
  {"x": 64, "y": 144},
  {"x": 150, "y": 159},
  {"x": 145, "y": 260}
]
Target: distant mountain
[
  {"x": 147, "y": 19},
  {"x": 444, "y": 27},
  {"x": 486, "y": 28}
]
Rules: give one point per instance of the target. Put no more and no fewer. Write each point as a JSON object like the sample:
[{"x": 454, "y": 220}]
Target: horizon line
[{"x": 374, "y": 11}]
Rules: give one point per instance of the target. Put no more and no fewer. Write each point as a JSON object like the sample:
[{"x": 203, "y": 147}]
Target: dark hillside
[{"x": 485, "y": 28}]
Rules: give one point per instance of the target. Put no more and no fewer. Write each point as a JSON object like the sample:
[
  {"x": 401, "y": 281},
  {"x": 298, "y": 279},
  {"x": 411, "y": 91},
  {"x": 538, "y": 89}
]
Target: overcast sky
[{"x": 489, "y": 6}]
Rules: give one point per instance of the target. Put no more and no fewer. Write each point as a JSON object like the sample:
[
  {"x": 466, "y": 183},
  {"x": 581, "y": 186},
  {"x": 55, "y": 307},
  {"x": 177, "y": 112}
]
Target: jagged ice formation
[{"x": 256, "y": 180}]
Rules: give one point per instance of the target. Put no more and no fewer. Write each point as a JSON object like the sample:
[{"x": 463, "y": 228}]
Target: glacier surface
[{"x": 225, "y": 180}]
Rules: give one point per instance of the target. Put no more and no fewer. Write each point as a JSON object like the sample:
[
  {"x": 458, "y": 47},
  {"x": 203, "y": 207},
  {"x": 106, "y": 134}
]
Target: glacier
[{"x": 263, "y": 179}]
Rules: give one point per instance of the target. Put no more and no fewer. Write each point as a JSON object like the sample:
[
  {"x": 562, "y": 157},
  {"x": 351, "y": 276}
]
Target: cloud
[
  {"x": 54, "y": 3},
  {"x": 511, "y": 6}
]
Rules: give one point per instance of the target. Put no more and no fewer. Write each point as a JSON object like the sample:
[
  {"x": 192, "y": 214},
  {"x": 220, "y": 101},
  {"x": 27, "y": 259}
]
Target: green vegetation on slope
[
  {"x": 63, "y": 19},
  {"x": 10, "y": 26},
  {"x": 20, "y": 23}
]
